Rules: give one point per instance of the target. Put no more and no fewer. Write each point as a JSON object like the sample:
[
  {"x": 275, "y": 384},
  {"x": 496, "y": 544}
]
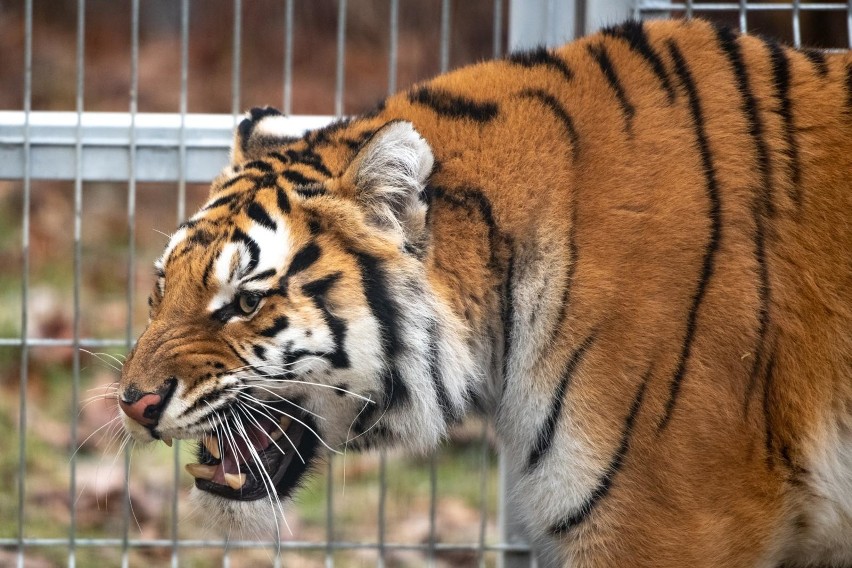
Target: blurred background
[{"x": 76, "y": 258}]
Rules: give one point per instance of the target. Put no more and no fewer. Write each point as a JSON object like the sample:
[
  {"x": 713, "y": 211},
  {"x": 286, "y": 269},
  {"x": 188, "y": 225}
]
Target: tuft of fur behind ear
[{"x": 389, "y": 174}]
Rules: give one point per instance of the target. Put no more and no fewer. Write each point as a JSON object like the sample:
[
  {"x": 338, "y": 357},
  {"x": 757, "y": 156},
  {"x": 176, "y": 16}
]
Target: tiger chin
[{"x": 631, "y": 253}]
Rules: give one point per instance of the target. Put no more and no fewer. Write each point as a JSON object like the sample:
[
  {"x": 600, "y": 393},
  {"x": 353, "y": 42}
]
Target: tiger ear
[
  {"x": 261, "y": 129},
  {"x": 389, "y": 175}
]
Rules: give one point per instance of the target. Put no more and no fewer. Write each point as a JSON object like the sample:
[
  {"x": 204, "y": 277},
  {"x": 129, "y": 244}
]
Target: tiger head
[{"x": 292, "y": 314}]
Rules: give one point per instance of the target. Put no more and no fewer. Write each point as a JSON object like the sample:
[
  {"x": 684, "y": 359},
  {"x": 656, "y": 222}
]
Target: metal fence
[{"x": 80, "y": 149}]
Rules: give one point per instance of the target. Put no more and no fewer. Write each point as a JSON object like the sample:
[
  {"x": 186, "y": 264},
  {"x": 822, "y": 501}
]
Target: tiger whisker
[
  {"x": 291, "y": 417},
  {"x": 83, "y": 443},
  {"x": 101, "y": 357},
  {"x": 270, "y": 487},
  {"x": 278, "y": 425},
  {"x": 276, "y": 395},
  {"x": 300, "y": 382}
]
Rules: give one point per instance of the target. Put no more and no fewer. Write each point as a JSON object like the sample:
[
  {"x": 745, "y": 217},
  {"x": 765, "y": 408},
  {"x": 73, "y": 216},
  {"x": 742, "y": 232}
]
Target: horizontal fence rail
[{"x": 157, "y": 142}]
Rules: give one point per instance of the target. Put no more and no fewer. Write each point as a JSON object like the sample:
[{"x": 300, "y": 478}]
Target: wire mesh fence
[{"x": 108, "y": 137}]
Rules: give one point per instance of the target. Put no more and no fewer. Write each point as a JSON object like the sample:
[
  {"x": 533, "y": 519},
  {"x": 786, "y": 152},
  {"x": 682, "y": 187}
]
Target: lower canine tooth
[
  {"x": 201, "y": 471},
  {"x": 167, "y": 440},
  {"x": 235, "y": 481},
  {"x": 212, "y": 445},
  {"x": 285, "y": 422}
]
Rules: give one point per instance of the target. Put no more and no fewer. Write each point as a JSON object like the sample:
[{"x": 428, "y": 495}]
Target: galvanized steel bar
[
  {"x": 483, "y": 495},
  {"x": 257, "y": 544},
  {"x": 797, "y": 27},
  {"x": 183, "y": 108},
  {"x": 497, "y": 29},
  {"x": 236, "y": 61},
  {"x": 340, "y": 65},
  {"x": 445, "y": 36},
  {"x": 743, "y": 16},
  {"x": 25, "y": 280},
  {"x": 78, "y": 275},
  {"x": 288, "y": 57}
]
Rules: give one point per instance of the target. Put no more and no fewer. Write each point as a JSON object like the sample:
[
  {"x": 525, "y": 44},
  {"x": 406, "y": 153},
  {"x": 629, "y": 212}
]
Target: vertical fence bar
[
  {"x": 183, "y": 109},
  {"x": 797, "y": 27},
  {"x": 236, "y": 62},
  {"x": 497, "y": 41},
  {"x": 25, "y": 278},
  {"x": 341, "y": 58},
  {"x": 131, "y": 199},
  {"x": 78, "y": 271},
  {"x": 445, "y": 35},
  {"x": 329, "y": 513},
  {"x": 288, "y": 58},
  {"x": 181, "y": 215},
  {"x": 743, "y": 16},
  {"x": 483, "y": 504},
  {"x": 849, "y": 21}
]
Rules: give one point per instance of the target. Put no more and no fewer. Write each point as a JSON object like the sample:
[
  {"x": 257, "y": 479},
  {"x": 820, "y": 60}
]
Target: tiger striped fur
[{"x": 632, "y": 252}]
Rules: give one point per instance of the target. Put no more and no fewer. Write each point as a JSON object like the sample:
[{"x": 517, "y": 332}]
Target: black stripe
[
  {"x": 508, "y": 316},
  {"x": 203, "y": 401},
  {"x": 598, "y": 52},
  {"x": 252, "y": 246},
  {"x": 310, "y": 158},
  {"x": 278, "y": 325},
  {"x": 817, "y": 59},
  {"x": 302, "y": 260},
  {"x": 260, "y": 276},
  {"x": 472, "y": 199},
  {"x": 781, "y": 79},
  {"x": 574, "y": 257},
  {"x": 767, "y": 411},
  {"x": 189, "y": 224},
  {"x": 283, "y": 201},
  {"x": 296, "y": 178},
  {"x": 231, "y": 181},
  {"x": 714, "y": 214},
  {"x": 544, "y": 440},
  {"x": 310, "y": 191},
  {"x": 317, "y": 290},
  {"x": 259, "y": 165},
  {"x": 633, "y": 32},
  {"x": 453, "y": 106},
  {"x": 849, "y": 88},
  {"x": 615, "y": 465},
  {"x": 541, "y": 56},
  {"x": 259, "y": 351},
  {"x": 224, "y": 200},
  {"x": 208, "y": 268},
  {"x": 257, "y": 213},
  {"x": 450, "y": 413},
  {"x": 562, "y": 115},
  {"x": 237, "y": 353},
  {"x": 763, "y": 204},
  {"x": 386, "y": 311}
]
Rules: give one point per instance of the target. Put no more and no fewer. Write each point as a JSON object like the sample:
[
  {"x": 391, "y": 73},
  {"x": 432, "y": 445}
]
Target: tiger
[{"x": 632, "y": 254}]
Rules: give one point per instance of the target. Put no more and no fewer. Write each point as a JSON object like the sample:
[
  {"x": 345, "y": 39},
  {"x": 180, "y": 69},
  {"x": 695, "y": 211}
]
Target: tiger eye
[{"x": 247, "y": 303}]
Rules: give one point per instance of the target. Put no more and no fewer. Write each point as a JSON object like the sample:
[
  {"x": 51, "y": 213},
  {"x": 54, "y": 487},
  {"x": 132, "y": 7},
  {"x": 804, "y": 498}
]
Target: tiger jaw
[{"x": 252, "y": 461}]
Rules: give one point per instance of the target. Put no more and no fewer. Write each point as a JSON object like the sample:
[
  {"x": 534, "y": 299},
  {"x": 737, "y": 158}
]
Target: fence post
[{"x": 511, "y": 528}]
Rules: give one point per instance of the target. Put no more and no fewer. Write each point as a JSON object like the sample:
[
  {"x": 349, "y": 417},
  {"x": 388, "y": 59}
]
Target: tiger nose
[{"x": 146, "y": 407}]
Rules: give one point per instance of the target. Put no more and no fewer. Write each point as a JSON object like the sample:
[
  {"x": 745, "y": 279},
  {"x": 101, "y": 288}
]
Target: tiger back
[{"x": 632, "y": 252}]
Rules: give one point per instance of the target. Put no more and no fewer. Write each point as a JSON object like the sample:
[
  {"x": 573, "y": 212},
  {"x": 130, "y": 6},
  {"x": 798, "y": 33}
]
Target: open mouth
[{"x": 256, "y": 458}]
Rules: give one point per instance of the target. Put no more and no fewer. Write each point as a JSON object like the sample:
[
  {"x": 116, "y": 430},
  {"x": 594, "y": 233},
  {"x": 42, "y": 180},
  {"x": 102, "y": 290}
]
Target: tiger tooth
[
  {"x": 235, "y": 481},
  {"x": 201, "y": 471},
  {"x": 167, "y": 440},
  {"x": 285, "y": 422},
  {"x": 276, "y": 434},
  {"x": 212, "y": 445}
]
